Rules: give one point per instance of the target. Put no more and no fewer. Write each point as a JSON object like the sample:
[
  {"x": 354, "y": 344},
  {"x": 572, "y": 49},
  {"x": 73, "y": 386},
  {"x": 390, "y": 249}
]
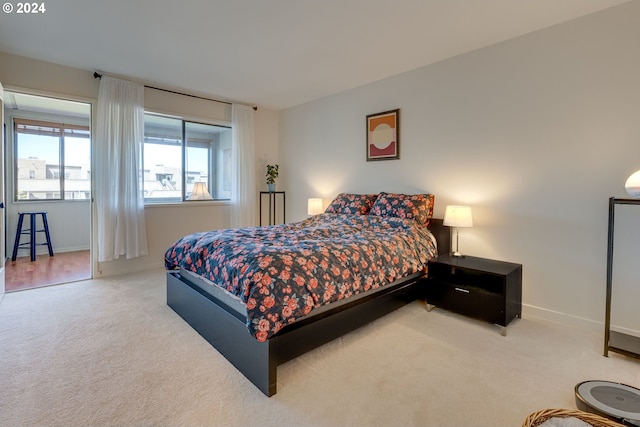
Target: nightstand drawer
[{"x": 473, "y": 301}]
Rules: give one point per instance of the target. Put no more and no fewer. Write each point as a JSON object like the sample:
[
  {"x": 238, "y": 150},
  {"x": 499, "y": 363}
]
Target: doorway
[{"x": 48, "y": 170}]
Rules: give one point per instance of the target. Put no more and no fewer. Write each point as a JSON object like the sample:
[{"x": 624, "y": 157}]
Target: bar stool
[{"x": 32, "y": 234}]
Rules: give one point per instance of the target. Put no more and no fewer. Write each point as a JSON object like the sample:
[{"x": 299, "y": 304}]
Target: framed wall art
[{"x": 383, "y": 135}]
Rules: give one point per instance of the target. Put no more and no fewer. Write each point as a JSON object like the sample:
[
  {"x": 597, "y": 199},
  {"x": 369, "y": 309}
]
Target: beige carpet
[{"x": 111, "y": 353}]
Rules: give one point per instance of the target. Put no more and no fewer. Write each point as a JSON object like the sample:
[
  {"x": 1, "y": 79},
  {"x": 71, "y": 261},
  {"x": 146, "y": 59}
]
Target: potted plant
[{"x": 272, "y": 174}]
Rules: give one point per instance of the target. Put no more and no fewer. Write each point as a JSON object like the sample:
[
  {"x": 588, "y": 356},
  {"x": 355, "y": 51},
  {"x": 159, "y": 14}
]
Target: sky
[{"x": 77, "y": 150}]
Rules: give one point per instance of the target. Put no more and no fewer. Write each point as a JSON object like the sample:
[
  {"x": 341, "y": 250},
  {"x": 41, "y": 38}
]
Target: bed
[{"x": 264, "y": 295}]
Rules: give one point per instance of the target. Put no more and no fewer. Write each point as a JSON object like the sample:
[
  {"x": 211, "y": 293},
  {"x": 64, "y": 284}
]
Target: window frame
[
  {"x": 160, "y": 201},
  {"x": 47, "y": 120}
]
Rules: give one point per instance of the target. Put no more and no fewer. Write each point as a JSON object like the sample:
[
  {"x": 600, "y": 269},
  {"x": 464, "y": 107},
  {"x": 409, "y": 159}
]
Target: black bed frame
[{"x": 226, "y": 331}]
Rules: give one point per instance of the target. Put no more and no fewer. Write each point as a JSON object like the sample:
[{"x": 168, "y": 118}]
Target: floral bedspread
[{"x": 282, "y": 272}]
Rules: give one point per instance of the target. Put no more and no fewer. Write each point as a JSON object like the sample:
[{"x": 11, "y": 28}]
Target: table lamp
[
  {"x": 314, "y": 206},
  {"x": 199, "y": 192},
  {"x": 456, "y": 217}
]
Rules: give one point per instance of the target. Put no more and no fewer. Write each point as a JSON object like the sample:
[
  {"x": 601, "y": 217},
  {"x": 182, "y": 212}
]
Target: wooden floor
[{"x": 61, "y": 268}]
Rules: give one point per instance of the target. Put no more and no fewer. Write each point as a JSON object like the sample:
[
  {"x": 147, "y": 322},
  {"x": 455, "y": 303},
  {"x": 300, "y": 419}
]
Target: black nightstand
[{"x": 481, "y": 288}]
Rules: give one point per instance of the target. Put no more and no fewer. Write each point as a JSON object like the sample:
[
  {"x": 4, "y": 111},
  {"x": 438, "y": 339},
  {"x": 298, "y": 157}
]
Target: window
[
  {"x": 177, "y": 154},
  {"x": 52, "y": 160},
  {"x": 162, "y": 158}
]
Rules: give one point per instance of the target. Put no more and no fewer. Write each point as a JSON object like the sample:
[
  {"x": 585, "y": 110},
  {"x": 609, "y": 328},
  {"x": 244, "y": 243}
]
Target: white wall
[
  {"x": 535, "y": 133},
  {"x": 69, "y": 225},
  {"x": 165, "y": 224}
]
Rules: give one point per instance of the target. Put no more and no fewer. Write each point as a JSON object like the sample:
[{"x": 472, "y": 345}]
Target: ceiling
[{"x": 275, "y": 53}]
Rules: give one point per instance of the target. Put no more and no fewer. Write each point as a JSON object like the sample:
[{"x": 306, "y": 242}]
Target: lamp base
[{"x": 456, "y": 253}]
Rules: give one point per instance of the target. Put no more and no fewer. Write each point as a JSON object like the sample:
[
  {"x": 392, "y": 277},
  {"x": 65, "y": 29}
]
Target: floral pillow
[
  {"x": 410, "y": 206},
  {"x": 352, "y": 204}
]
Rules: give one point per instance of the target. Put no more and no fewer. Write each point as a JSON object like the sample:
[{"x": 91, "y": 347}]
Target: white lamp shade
[
  {"x": 633, "y": 185},
  {"x": 458, "y": 216},
  {"x": 314, "y": 206},
  {"x": 199, "y": 192}
]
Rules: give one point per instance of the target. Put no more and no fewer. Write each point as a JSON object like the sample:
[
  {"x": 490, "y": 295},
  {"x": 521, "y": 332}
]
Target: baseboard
[
  {"x": 626, "y": 331},
  {"x": 69, "y": 249},
  {"x": 572, "y": 321},
  {"x": 529, "y": 311},
  {"x": 121, "y": 267},
  {"x": 42, "y": 250}
]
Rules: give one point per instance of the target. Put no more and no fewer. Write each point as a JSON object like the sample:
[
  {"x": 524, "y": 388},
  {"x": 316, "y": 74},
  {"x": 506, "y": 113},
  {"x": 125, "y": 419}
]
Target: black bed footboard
[
  {"x": 258, "y": 361},
  {"x": 225, "y": 332}
]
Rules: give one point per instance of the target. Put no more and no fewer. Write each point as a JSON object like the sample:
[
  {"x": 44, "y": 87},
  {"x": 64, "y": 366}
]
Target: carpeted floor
[{"x": 109, "y": 352}]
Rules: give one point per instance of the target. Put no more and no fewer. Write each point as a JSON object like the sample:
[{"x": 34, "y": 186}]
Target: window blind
[{"x": 38, "y": 127}]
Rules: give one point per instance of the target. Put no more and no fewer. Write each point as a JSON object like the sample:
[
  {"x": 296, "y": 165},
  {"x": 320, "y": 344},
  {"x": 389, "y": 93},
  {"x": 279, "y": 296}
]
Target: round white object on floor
[{"x": 609, "y": 399}]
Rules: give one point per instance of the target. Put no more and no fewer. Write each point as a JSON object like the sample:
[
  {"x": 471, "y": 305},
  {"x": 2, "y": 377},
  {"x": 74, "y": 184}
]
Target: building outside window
[
  {"x": 178, "y": 153},
  {"x": 52, "y": 160}
]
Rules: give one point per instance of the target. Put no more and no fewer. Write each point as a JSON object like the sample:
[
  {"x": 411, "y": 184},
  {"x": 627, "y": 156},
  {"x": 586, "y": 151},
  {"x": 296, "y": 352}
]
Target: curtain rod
[{"x": 97, "y": 75}]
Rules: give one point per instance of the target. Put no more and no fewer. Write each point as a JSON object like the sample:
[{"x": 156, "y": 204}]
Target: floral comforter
[{"x": 282, "y": 272}]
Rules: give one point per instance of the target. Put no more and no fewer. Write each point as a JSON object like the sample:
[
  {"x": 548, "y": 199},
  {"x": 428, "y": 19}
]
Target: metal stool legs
[{"x": 32, "y": 234}]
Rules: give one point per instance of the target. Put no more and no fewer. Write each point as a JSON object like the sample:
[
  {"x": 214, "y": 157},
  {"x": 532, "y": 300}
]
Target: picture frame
[{"x": 383, "y": 135}]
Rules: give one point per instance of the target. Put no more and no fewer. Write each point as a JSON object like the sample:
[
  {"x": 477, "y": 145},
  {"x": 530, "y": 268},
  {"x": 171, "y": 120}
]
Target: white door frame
[
  {"x": 2, "y": 201},
  {"x": 47, "y": 94}
]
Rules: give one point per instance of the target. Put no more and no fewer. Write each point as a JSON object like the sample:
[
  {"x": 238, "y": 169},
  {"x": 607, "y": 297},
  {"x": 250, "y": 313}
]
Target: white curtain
[
  {"x": 119, "y": 192},
  {"x": 243, "y": 187}
]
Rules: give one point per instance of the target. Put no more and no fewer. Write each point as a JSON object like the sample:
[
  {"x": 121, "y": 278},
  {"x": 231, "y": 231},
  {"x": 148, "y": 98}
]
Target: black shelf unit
[
  {"x": 481, "y": 288},
  {"x": 273, "y": 201},
  {"x": 615, "y": 341}
]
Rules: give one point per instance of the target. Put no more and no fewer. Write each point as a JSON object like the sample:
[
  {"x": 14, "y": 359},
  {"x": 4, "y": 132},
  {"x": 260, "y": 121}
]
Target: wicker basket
[{"x": 539, "y": 417}]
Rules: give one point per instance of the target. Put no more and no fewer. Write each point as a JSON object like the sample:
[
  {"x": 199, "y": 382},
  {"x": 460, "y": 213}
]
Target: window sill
[
  {"x": 32, "y": 201},
  {"x": 189, "y": 204}
]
